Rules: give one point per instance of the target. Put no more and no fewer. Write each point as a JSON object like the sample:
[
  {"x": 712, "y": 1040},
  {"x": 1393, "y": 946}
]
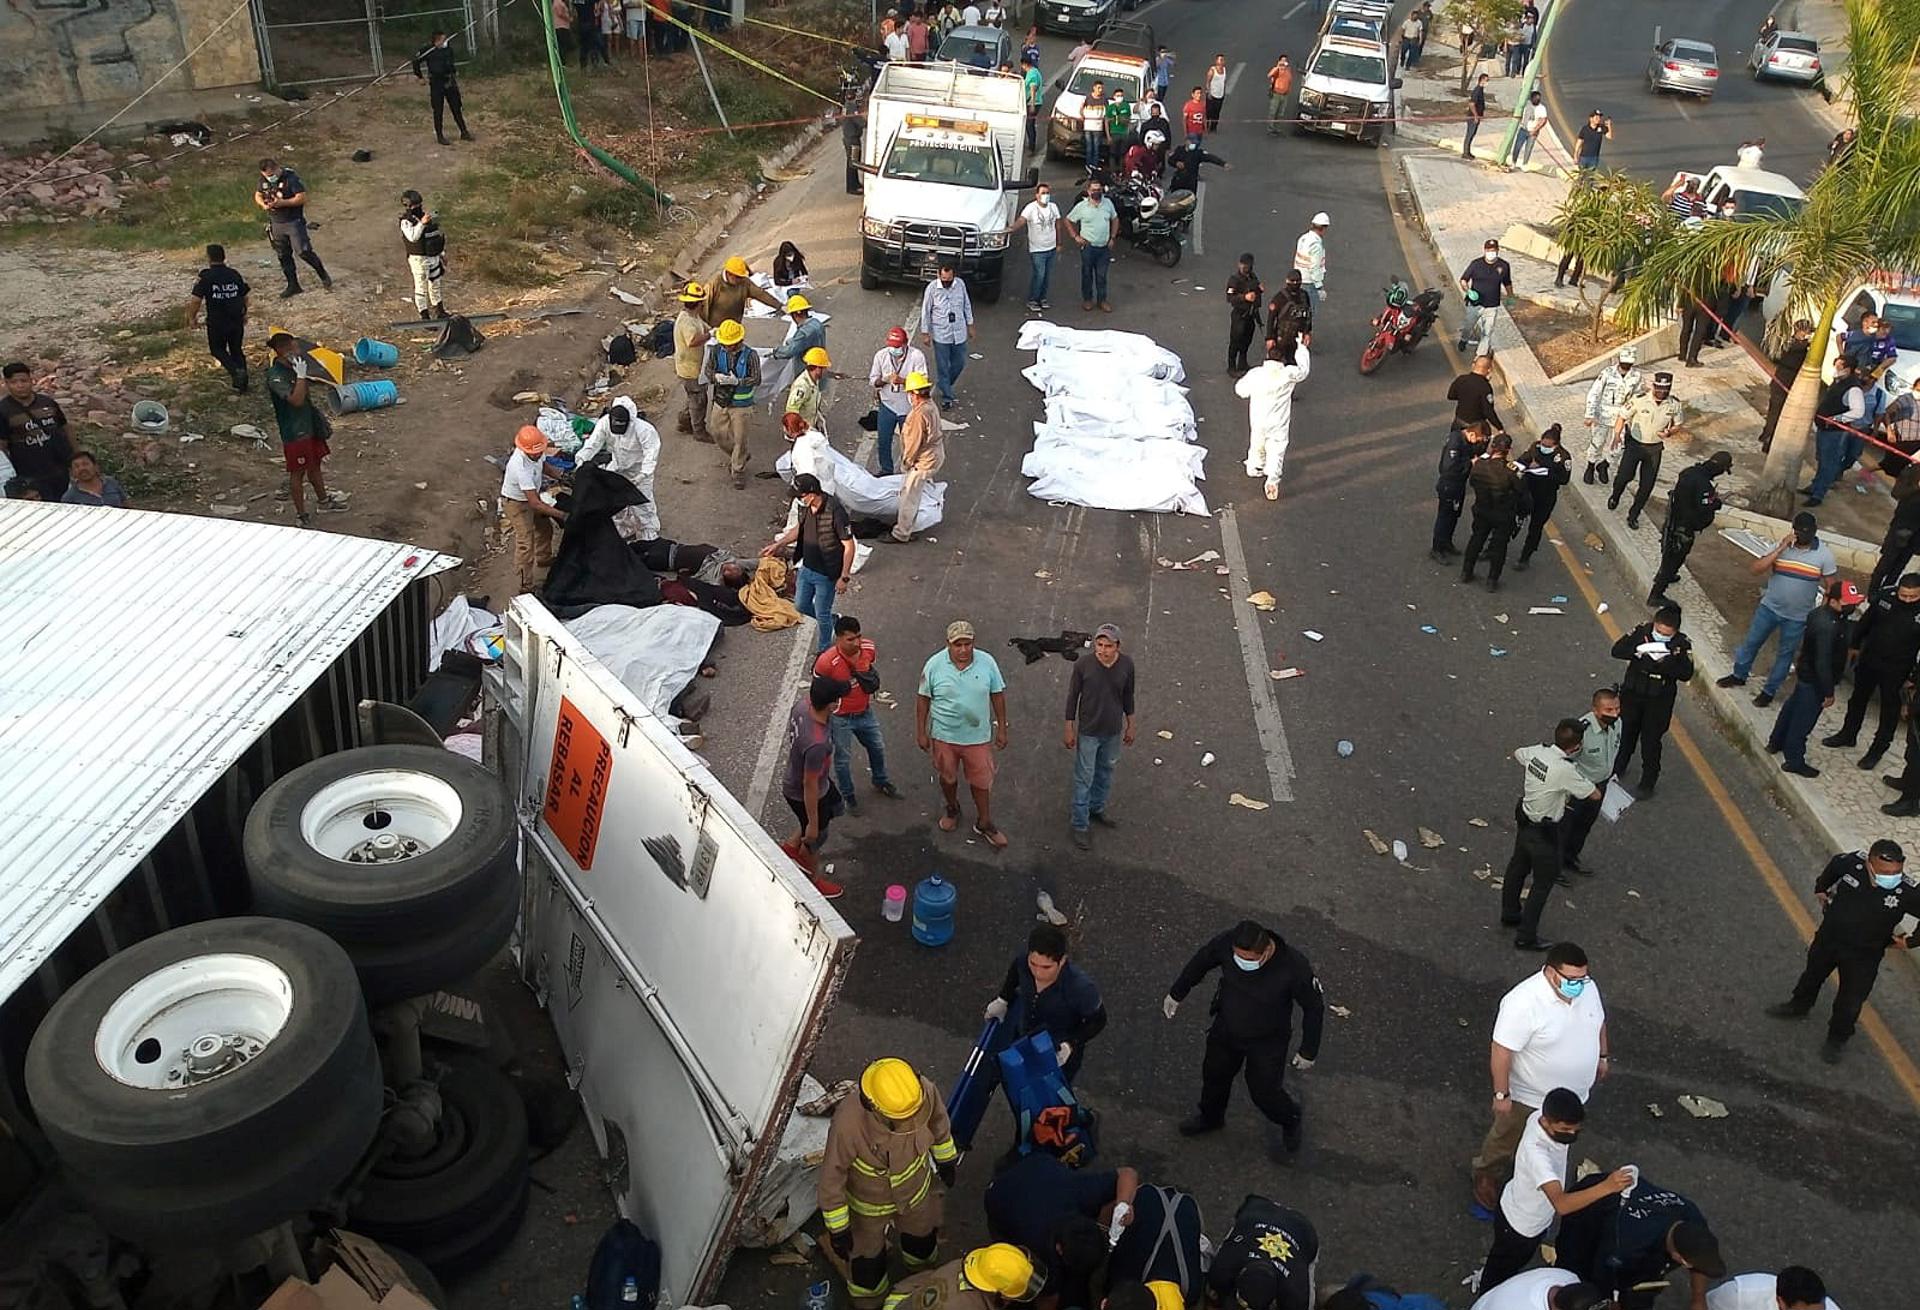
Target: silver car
[
  {"x": 1689, "y": 66},
  {"x": 1789, "y": 56}
]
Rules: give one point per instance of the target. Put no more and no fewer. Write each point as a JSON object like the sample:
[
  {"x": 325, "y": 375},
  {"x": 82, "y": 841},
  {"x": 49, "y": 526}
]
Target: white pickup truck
[
  {"x": 944, "y": 159},
  {"x": 223, "y": 913}
]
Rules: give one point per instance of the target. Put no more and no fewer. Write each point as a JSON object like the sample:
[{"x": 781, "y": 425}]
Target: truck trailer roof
[{"x": 140, "y": 655}]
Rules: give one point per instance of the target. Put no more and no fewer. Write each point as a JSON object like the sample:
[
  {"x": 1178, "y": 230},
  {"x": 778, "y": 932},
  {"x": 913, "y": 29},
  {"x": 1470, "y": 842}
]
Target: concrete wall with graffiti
[{"x": 105, "y": 52}]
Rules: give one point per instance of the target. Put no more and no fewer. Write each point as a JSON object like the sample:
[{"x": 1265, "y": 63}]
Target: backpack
[
  {"x": 662, "y": 339},
  {"x": 620, "y": 350}
]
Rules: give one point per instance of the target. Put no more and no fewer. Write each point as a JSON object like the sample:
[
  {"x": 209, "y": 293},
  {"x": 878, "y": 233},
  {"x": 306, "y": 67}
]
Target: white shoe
[{"x": 1254, "y": 472}]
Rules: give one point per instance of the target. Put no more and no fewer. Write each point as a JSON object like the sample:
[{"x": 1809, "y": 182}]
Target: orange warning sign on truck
[{"x": 577, "y": 783}]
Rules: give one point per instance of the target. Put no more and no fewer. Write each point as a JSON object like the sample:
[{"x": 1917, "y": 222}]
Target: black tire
[
  {"x": 421, "y": 1277},
  {"x": 453, "y": 950},
  {"x": 1167, "y": 251},
  {"x": 222, "y": 1158},
  {"x": 869, "y": 280},
  {"x": 463, "y": 1200},
  {"x": 1371, "y": 358},
  {"x": 393, "y": 901}
]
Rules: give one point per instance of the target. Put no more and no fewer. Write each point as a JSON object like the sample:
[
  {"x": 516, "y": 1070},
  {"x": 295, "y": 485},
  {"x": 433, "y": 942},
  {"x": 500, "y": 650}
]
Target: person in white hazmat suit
[
  {"x": 1268, "y": 391},
  {"x": 632, "y": 446}
]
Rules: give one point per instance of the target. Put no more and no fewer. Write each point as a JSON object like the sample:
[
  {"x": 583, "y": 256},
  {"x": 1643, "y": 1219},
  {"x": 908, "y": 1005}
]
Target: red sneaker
[{"x": 827, "y": 887}]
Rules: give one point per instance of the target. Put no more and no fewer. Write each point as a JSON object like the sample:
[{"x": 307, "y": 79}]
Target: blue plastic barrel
[
  {"x": 933, "y": 901},
  {"x": 367, "y": 395},
  {"x": 377, "y": 353}
]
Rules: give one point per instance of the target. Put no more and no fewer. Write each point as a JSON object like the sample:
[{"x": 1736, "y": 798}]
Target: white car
[
  {"x": 1752, "y": 190},
  {"x": 1788, "y": 56},
  {"x": 1122, "y": 72}
]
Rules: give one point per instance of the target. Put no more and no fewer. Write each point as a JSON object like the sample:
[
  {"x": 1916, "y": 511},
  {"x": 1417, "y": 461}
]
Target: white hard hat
[
  {"x": 1321, "y": 220},
  {"x": 1629, "y": 355}
]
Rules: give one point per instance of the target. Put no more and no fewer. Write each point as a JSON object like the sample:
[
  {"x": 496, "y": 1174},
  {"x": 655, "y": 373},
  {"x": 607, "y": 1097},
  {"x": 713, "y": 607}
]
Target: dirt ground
[{"x": 1562, "y": 340}]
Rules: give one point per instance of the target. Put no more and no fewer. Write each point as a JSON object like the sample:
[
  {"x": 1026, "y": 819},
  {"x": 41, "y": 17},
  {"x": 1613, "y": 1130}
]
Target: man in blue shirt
[
  {"x": 1046, "y": 992},
  {"x": 1797, "y": 571},
  {"x": 1055, "y": 1212},
  {"x": 946, "y": 323}
]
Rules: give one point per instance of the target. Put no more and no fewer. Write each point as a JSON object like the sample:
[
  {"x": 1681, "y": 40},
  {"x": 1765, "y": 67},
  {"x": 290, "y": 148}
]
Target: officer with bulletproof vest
[
  {"x": 1266, "y": 1261},
  {"x": 1262, "y": 979},
  {"x": 443, "y": 85},
  {"x": 282, "y": 197},
  {"x": 1887, "y": 643},
  {"x": 1499, "y": 499},
  {"x": 1690, "y": 510},
  {"x": 426, "y": 253},
  {"x": 1865, "y": 895},
  {"x": 1659, "y": 658},
  {"x": 1457, "y": 455}
]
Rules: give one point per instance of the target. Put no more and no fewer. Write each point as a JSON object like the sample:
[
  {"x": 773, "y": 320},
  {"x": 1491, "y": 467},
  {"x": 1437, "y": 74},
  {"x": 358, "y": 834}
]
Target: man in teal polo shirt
[{"x": 960, "y": 718}]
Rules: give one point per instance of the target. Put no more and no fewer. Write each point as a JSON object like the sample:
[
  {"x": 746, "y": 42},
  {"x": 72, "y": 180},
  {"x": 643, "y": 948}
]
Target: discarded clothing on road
[
  {"x": 765, "y": 597},
  {"x": 1068, "y": 644}
]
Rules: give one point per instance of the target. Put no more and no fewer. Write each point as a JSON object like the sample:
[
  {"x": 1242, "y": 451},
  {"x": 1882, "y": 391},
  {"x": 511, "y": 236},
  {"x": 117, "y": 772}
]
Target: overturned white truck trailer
[{"x": 161, "y": 673}]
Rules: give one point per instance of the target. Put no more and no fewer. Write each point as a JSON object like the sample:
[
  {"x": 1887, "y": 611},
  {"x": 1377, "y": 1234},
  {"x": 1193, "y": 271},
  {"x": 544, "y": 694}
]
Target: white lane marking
[
  {"x": 1233, "y": 78},
  {"x": 804, "y": 637},
  {"x": 1246, "y": 623},
  {"x": 1680, "y": 104},
  {"x": 1298, "y": 6},
  {"x": 1200, "y": 219}
]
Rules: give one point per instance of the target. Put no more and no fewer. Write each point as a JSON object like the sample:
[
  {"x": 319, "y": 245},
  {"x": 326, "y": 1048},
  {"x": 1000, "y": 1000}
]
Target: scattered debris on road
[
  {"x": 1701, "y": 1107},
  {"x": 1244, "y": 802},
  {"x": 1431, "y": 839}
]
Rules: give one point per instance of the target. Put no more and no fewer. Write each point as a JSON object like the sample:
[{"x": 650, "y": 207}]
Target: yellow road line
[{"x": 1899, "y": 1063}]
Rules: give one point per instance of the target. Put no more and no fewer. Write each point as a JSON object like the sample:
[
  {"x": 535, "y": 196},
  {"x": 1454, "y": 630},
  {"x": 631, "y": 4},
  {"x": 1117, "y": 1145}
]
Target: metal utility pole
[
  {"x": 700, "y": 58},
  {"x": 1531, "y": 80}
]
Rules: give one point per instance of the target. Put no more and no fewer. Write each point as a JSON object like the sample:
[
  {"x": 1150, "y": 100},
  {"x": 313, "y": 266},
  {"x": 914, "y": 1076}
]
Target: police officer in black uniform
[
  {"x": 282, "y": 197},
  {"x": 1544, "y": 469},
  {"x": 224, "y": 294},
  {"x": 443, "y": 85},
  {"x": 1690, "y": 510},
  {"x": 1244, "y": 290},
  {"x": 1499, "y": 499},
  {"x": 1659, "y": 658},
  {"x": 1261, "y": 980},
  {"x": 1888, "y": 641},
  {"x": 1866, "y": 894},
  {"x": 853, "y": 131},
  {"x": 1266, "y": 1261},
  {"x": 1462, "y": 448}
]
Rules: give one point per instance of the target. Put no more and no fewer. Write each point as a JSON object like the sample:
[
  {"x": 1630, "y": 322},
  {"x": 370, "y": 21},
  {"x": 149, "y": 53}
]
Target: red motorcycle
[{"x": 1401, "y": 325}]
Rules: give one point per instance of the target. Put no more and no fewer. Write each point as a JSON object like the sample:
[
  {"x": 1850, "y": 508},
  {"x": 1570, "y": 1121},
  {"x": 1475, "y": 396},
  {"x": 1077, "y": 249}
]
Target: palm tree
[
  {"x": 1608, "y": 222},
  {"x": 1860, "y": 216}
]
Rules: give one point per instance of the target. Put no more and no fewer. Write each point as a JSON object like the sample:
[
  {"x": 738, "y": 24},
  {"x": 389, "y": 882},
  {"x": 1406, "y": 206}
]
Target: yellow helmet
[
  {"x": 797, "y": 302},
  {"x": 892, "y": 1087},
  {"x": 1166, "y": 1296},
  {"x": 815, "y": 358},
  {"x": 737, "y": 266},
  {"x": 692, "y": 292},
  {"x": 730, "y": 333},
  {"x": 919, "y": 382},
  {"x": 1003, "y": 1269}
]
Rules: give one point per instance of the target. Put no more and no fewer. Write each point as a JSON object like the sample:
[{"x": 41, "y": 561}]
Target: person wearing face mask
[
  {"x": 1691, "y": 506},
  {"x": 1659, "y": 658},
  {"x": 1599, "y": 748},
  {"x": 1550, "y": 1031},
  {"x": 1536, "y": 1195},
  {"x": 1544, "y": 469},
  {"x": 1262, "y": 979},
  {"x": 1887, "y": 645},
  {"x": 1816, "y": 673},
  {"x": 1644, "y": 425},
  {"x": 1864, "y": 896},
  {"x": 1606, "y": 400},
  {"x": 1550, "y": 781},
  {"x": 1457, "y": 457},
  {"x": 1041, "y": 218},
  {"x": 282, "y": 197},
  {"x": 1489, "y": 278}
]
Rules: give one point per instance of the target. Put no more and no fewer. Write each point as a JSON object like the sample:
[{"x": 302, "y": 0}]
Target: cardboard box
[{"x": 362, "y": 1277}]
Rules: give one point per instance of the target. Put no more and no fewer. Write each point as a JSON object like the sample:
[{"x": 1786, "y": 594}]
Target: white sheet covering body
[
  {"x": 869, "y": 496},
  {"x": 1119, "y": 431},
  {"x": 655, "y": 652}
]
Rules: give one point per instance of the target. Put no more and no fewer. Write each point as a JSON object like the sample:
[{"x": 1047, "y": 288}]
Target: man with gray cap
[
  {"x": 960, "y": 719},
  {"x": 1099, "y": 722},
  {"x": 1646, "y": 422}
]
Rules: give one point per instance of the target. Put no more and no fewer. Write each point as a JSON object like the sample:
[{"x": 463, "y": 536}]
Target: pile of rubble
[{"x": 72, "y": 187}]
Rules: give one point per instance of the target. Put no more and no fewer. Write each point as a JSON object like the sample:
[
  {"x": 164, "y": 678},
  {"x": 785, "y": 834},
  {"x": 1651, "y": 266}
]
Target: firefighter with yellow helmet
[
  {"x": 884, "y": 1147},
  {"x": 986, "y": 1278}
]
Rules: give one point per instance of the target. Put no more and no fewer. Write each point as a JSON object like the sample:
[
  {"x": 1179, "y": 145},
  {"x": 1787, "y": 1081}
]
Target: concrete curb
[{"x": 1728, "y": 705}]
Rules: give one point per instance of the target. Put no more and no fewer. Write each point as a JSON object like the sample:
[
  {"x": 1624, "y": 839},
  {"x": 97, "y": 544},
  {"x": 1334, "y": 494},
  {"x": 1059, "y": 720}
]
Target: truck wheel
[
  {"x": 421, "y": 1277},
  {"x": 382, "y": 843},
  {"x": 869, "y": 280},
  {"x": 453, "y": 950},
  {"x": 209, "y": 1082},
  {"x": 464, "y": 1198}
]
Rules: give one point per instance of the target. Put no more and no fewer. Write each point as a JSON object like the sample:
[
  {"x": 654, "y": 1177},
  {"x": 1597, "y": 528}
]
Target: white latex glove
[
  {"x": 1169, "y": 1006},
  {"x": 1062, "y": 1053},
  {"x": 300, "y": 367},
  {"x": 1122, "y": 1216},
  {"x": 1302, "y": 1063},
  {"x": 996, "y": 1009},
  {"x": 1323, "y": 295}
]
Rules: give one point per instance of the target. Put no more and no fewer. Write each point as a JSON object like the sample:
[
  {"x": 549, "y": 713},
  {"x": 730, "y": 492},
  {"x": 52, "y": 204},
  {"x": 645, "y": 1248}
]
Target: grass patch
[{"x": 208, "y": 198}]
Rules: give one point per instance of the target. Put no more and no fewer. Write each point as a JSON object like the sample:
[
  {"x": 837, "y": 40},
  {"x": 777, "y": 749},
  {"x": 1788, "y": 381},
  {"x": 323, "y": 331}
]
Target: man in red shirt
[
  {"x": 1193, "y": 115},
  {"x": 850, "y": 659}
]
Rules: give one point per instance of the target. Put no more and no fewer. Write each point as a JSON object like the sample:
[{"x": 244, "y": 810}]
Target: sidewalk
[
  {"x": 1460, "y": 204},
  {"x": 1434, "y": 109}
]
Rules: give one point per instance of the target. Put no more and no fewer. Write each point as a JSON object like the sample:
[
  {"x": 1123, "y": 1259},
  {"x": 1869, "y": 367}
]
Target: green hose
[{"x": 619, "y": 168}]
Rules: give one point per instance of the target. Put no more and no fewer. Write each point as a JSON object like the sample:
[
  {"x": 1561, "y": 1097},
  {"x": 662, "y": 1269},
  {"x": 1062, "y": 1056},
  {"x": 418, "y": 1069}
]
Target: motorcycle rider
[{"x": 1607, "y": 399}]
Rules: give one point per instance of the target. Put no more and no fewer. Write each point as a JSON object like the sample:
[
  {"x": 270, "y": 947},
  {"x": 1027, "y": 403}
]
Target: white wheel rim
[
  {"x": 380, "y": 817},
  {"x": 193, "y": 1022}
]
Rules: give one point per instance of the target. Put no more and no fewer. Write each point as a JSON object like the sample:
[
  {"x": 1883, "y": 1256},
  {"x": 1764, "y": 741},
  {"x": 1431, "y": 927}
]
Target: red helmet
[{"x": 896, "y": 336}]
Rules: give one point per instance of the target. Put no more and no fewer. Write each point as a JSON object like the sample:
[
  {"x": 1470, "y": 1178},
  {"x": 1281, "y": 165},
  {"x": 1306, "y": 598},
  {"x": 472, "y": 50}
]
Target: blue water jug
[{"x": 933, "y": 900}]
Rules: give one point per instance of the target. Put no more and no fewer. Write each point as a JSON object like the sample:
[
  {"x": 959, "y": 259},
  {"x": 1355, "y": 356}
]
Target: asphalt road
[
  {"x": 1687, "y": 923},
  {"x": 1597, "y": 58}
]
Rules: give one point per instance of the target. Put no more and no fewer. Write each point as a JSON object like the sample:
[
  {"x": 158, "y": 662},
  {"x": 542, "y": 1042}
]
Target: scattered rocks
[{"x": 73, "y": 186}]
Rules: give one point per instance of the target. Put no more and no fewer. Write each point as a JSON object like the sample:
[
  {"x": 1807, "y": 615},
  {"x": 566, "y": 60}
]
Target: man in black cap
[
  {"x": 1646, "y": 423},
  {"x": 1627, "y": 1244},
  {"x": 1262, "y": 979},
  {"x": 443, "y": 85},
  {"x": 222, "y": 292},
  {"x": 1888, "y": 641},
  {"x": 282, "y": 197},
  {"x": 1267, "y": 1259},
  {"x": 1243, "y": 308},
  {"x": 1865, "y": 896},
  {"x": 1659, "y": 658},
  {"x": 1690, "y": 510}
]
